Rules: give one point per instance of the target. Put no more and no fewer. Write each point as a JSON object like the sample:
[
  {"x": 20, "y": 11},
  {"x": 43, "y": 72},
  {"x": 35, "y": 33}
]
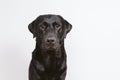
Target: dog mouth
[{"x": 51, "y": 47}]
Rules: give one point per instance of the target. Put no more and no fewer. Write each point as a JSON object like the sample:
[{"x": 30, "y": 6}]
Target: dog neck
[{"x": 50, "y": 60}]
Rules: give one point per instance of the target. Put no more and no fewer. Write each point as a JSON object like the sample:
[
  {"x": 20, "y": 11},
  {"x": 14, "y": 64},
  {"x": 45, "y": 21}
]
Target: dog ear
[
  {"x": 32, "y": 28},
  {"x": 67, "y": 28}
]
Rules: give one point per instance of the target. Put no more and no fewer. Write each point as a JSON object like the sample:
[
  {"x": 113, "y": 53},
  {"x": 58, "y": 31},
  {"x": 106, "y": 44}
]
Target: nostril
[{"x": 50, "y": 40}]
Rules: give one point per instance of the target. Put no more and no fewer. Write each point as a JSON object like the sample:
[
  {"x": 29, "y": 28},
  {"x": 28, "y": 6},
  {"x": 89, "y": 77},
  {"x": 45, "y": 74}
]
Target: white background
[{"x": 93, "y": 45}]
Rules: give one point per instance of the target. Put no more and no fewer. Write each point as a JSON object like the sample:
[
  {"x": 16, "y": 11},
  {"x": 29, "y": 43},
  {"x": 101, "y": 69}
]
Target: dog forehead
[{"x": 52, "y": 19}]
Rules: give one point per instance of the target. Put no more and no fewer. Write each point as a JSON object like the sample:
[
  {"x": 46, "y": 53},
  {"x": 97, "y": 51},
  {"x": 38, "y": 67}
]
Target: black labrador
[{"x": 49, "y": 57}]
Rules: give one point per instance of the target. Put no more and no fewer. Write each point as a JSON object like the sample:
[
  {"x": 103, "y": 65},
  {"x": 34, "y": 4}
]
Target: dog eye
[
  {"x": 42, "y": 27},
  {"x": 56, "y": 25}
]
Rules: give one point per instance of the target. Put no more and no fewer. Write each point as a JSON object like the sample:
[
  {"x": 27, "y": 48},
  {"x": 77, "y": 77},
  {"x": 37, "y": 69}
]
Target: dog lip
[{"x": 51, "y": 47}]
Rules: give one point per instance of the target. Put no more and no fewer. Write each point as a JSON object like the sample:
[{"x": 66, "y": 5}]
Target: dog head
[{"x": 50, "y": 31}]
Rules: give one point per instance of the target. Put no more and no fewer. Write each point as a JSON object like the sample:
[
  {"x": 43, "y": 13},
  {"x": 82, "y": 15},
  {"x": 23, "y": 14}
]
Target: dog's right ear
[{"x": 32, "y": 28}]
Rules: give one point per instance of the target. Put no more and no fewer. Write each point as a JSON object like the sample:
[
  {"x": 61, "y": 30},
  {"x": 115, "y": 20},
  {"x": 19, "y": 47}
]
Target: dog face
[{"x": 50, "y": 31}]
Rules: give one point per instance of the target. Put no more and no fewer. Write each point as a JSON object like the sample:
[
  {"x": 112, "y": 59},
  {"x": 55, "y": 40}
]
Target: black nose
[{"x": 51, "y": 40}]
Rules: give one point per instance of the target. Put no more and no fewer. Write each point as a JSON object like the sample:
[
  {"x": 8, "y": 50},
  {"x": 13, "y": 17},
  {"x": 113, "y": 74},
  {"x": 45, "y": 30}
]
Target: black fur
[{"x": 49, "y": 57}]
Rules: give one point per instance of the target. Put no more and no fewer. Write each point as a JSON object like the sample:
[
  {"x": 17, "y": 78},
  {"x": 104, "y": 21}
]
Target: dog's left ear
[{"x": 67, "y": 28}]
